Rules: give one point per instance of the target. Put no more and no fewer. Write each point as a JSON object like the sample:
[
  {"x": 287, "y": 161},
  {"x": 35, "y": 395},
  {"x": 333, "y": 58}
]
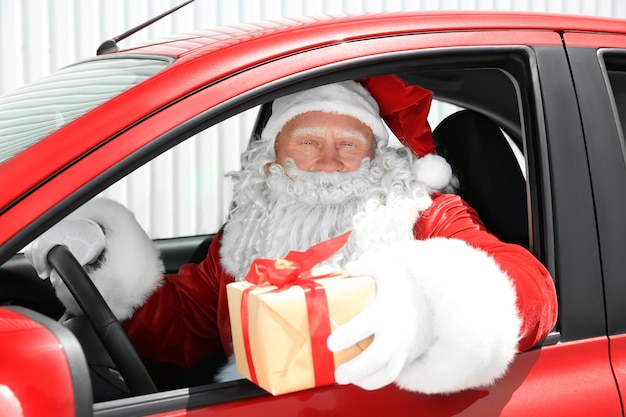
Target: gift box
[{"x": 282, "y": 315}]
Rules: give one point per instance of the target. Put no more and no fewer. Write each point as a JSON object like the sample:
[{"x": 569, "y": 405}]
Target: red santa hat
[{"x": 404, "y": 108}]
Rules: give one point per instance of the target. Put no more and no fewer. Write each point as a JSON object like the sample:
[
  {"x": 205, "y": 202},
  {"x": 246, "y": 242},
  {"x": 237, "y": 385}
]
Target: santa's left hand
[{"x": 399, "y": 319}]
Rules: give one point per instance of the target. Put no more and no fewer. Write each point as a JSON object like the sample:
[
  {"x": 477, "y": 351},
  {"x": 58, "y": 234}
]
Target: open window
[{"x": 481, "y": 118}]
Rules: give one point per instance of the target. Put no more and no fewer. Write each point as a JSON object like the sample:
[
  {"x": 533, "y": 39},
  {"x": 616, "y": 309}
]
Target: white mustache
[{"x": 323, "y": 188}]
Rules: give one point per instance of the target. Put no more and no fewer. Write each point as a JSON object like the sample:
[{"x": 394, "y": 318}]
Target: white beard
[{"x": 278, "y": 209}]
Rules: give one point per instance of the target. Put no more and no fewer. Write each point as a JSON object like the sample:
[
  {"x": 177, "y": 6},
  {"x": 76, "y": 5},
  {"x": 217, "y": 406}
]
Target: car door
[
  {"x": 562, "y": 226},
  {"x": 599, "y": 70}
]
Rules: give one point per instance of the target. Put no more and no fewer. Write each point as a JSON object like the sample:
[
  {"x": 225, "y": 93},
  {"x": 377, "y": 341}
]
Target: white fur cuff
[
  {"x": 131, "y": 269},
  {"x": 475, "y": 320}
]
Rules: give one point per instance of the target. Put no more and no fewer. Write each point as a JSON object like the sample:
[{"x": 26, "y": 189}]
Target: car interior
[
  {"x": 476, "y": 148},
  {"x": 480, "y": 141}
]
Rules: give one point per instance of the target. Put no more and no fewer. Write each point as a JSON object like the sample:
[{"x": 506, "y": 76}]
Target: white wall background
[{"x": 40, "y": 36}]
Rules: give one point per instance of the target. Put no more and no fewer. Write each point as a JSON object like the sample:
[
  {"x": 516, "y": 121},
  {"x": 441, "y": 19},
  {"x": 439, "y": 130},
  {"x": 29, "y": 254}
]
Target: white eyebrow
[
  {"x": 353, "y": 134},
  {"x": 320, "y": 131},
  {"x": 308, "y": 131}
]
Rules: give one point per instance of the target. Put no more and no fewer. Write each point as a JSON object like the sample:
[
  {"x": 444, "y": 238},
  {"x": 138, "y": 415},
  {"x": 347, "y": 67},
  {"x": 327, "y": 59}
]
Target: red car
[{"x": 551, "y": 88}]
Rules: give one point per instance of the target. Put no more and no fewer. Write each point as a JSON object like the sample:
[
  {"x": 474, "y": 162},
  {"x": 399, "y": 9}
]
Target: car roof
[{"x": 330, "y": 29}]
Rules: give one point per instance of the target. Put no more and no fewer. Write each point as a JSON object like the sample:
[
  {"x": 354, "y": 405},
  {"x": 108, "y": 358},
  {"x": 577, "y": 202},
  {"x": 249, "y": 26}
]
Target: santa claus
[{"x": 453, "y": 303}]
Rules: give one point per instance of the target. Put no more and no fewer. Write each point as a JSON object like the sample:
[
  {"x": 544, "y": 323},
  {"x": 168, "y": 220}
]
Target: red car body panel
[
  {"x": 535, "y": 379},
  {"x": 29, "y": 351},
  {"x": 585, "y": 40},
  {"x": 618, "y": 359}
]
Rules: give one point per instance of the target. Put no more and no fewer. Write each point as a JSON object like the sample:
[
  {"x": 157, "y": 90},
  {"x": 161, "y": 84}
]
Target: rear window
[
  {"x": 618, "y": 86},
  {"x": 35, "y": 111}
]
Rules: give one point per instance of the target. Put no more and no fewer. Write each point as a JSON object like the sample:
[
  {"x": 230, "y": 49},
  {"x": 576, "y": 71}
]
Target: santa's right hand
[{"x": 83, "y": 237}]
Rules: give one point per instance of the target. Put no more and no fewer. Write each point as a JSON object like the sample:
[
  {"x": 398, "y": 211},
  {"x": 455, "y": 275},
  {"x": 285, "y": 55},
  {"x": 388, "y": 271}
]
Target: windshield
[{"x": 35, "y": 111}]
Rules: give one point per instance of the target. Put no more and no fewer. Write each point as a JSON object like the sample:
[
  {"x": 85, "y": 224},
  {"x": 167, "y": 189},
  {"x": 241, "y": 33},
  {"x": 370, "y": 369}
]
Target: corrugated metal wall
[{"x": 40, "y": 36}]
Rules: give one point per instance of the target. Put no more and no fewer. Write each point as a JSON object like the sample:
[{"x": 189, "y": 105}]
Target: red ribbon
[{"x": 295, "y": 269}]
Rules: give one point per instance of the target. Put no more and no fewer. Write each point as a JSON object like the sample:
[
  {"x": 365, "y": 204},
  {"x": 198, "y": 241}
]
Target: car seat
[{"x": 490, "y": 177}]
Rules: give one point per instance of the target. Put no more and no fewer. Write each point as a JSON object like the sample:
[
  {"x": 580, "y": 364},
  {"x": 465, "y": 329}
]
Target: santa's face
[
  {"x": 284, "y": 201},
  {"x": 324, "y": 142}
]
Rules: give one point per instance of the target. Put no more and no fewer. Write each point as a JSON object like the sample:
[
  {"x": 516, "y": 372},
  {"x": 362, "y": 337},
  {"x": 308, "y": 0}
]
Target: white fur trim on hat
[
  {"x": 131, "y": 269},
  {"x": 347, "y": 97}
]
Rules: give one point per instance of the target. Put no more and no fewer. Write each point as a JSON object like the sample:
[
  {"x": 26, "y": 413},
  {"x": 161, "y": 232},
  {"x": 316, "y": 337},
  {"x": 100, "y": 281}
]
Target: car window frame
[{"x": 301, "y": 81}]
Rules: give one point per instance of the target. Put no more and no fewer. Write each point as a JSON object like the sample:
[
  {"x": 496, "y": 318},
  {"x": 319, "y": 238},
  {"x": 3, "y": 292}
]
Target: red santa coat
[{"x": 186, "y": 319}]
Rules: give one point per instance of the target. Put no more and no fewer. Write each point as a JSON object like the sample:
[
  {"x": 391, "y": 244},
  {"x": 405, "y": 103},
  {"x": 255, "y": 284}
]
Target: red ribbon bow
[
  {"x": 282, "y": 272},
  {"x": 295, "y": 269}
]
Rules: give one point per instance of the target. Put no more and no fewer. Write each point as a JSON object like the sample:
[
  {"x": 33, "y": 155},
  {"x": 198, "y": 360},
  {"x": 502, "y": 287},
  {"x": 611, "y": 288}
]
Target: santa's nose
[{"x": 329, "y": 162}]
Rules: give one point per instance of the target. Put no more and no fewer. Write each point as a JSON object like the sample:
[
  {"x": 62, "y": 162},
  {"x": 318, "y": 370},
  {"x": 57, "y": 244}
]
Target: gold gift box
[{"x": 278, "y": 329}]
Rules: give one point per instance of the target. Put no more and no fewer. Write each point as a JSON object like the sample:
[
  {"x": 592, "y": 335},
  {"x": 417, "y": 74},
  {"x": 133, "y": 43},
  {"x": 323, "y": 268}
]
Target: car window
[
  {"x": 614, "y": 66},
  {"x": 184, "y": 191},
  {"x": 33, "y": 112},
  {"x": 617, "y": 78}
]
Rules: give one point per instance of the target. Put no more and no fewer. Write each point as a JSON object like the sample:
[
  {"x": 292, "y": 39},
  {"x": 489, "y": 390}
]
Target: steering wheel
[{"x": 101, "y": 318}]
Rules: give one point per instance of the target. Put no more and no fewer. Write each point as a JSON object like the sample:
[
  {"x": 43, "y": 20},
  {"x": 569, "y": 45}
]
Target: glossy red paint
[
  {"x": 29, "y": 351},
  {"x": 596, "y": 40},
  {"x": 321, "y": 31},
  {"x": 618, "y": 359},
  {"x": 577, "y": 373}
]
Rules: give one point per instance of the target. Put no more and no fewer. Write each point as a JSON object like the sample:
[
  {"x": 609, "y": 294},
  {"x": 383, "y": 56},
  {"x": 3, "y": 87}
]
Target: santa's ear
[{"x": 404, "y": 108}]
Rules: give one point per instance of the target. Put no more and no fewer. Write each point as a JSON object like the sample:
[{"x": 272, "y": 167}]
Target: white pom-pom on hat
[{"x": 433, "y": 171}]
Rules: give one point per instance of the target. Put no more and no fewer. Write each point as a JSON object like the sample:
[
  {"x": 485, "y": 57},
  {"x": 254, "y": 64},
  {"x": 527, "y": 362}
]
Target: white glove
[
  {"x": 83, "y": 237},
  {"x": 400, "y": 320}
]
